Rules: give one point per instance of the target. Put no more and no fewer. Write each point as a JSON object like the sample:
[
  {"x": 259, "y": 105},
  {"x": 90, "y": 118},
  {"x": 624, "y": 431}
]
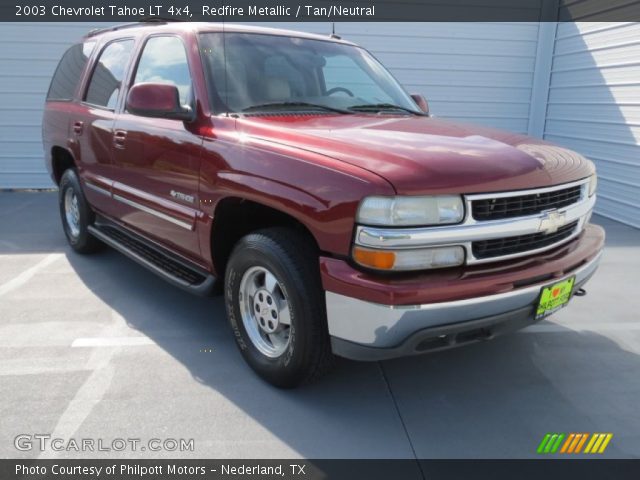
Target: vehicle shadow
[
  {"x": 495, "y": 399},
  {"x": 20, "y": 234}
]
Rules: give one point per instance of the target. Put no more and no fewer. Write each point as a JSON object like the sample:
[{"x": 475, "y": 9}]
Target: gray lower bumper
[{"x": 367, "y": 331}]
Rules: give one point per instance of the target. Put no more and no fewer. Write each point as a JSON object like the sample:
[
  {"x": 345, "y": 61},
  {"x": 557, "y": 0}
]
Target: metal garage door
[
  {"x": 469, "y": 71},
  {"x": 594, "y": 108}
]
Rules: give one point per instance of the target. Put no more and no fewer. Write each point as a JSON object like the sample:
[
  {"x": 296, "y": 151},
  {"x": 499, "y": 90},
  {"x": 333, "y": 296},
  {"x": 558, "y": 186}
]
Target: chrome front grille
[
  {"x": 501, "y": 247},
  {"x": 522, "y": 205},
  {"x": 561, "y": 213}
]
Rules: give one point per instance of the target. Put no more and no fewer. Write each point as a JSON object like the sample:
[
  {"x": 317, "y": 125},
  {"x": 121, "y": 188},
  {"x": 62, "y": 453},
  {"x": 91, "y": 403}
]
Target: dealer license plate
[{"x": 554, "y": 297}]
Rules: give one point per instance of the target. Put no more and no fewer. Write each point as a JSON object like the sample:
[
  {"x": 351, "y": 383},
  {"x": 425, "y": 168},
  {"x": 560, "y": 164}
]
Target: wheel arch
[
  {"x": 235, "y": 216},
  {"x": 61, "y": 160}
]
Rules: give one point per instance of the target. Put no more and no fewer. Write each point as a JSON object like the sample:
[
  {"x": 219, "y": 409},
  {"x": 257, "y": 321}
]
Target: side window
[
  {"x": 65, "y": 79},
  {"x": 164, "y": 60},
  {"x": 108, "y": 74}
]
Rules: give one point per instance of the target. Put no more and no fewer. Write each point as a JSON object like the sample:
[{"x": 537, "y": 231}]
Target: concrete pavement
[{"x": 97, "y": 347}]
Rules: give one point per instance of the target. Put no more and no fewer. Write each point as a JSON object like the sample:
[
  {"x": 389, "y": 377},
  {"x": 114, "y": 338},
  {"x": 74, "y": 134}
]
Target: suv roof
[{"x": 158, "y": 24}]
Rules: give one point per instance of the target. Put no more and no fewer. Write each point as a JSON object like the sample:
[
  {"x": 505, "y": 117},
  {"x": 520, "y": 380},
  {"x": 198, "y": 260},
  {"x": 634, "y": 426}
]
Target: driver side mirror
[
  {"x": 421, "y": 102},
  {"x": 158, "y": 100}
]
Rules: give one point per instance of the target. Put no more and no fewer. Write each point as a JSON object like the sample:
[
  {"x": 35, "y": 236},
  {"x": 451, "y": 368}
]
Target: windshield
[{"x": 269, "y": 71}]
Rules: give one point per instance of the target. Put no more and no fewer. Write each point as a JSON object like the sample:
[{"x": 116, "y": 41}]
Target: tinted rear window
[{"x": 65, "y": 79}]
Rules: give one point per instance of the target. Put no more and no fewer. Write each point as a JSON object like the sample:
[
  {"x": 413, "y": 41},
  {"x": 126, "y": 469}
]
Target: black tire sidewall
[
  {"x": 68, "y": 181},
  {"x": 289, "y": 368}
]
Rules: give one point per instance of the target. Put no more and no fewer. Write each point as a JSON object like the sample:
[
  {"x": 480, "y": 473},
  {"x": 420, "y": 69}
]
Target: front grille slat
[
  {"x": 522, "y": 243},
  {"x": 522, "y": 205}
]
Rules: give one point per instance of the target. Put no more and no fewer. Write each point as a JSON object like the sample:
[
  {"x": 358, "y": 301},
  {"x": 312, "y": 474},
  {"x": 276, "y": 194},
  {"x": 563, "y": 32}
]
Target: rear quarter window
[
  {"x": 65, "y": 79},
  {"x": 106, "y": 80}
]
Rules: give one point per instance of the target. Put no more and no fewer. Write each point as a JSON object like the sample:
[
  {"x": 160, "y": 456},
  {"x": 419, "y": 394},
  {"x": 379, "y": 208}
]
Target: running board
[{"x": 174, "y": 270}]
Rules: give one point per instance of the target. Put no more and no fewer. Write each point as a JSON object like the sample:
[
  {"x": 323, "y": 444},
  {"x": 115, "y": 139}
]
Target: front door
[{"x": 156, "y": 160}]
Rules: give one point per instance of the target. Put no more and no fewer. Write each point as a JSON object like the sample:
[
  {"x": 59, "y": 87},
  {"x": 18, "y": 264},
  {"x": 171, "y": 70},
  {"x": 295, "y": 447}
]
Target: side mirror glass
[
  {"x": 158, "y": 100},
  {"x": 421, "y": 102}
]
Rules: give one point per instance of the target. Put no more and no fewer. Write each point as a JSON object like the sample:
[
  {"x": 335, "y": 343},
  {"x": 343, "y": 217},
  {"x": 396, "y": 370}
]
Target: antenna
[{"x": 333, "y": 31}]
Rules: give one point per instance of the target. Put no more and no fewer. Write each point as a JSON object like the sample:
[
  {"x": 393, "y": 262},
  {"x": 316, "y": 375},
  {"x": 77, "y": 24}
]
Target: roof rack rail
[
  {"x": 157, "y": 19},
  {"x": 143, "y": 20}
]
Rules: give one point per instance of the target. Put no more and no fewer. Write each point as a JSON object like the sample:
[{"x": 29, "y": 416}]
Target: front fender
[{"x": 320, "y": 192}]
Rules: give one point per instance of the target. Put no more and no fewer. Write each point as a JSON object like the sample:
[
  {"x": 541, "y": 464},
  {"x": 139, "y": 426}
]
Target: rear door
[
  {"x": 92, "y": 120},
  {"x": 157, "y": 160}
]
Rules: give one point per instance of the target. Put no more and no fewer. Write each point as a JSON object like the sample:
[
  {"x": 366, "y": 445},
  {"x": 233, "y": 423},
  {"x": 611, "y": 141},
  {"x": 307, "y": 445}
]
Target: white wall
[
  {"x": 29, "y": 54},
  {"x": 594, "y": 108}
]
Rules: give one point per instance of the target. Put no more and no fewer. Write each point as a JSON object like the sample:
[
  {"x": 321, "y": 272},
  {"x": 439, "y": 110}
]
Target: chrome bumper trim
[
  {"x": 385, "y": 326},
  {"x": 472, "y": 230}
]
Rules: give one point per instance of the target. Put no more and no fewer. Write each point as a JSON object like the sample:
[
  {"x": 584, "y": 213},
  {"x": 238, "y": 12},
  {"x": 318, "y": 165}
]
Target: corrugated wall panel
[
  {"x": 594, "y": 108},
  {"x": 29, "y": 54}
]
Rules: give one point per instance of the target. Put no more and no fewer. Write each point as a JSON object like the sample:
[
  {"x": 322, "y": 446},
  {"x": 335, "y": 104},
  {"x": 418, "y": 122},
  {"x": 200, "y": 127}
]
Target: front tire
[
  {"x": 275, "y": 305},
  {"x": 76, "y": 214}
]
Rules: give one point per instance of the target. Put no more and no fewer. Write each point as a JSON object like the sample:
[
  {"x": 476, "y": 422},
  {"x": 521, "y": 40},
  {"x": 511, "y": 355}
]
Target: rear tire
[
  {"x": 76, "y": 214},
  {"x": 275, "y": 305}
]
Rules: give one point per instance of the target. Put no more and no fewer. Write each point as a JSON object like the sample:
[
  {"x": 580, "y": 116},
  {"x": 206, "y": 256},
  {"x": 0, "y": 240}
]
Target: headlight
[
  {"x": 411, "y": 211},
  {"x": 414, "y": 259},
  {"x": 593, "y": 183}
]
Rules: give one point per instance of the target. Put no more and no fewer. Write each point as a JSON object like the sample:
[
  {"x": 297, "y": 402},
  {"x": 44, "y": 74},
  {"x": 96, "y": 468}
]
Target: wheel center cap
[{"x": 266, "y": 313}]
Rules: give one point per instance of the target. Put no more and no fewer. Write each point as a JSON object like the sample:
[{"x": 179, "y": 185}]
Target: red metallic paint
[
  {"x": 314, "y": 168},
  {"x": 152, "y": 97},
  {"x": 421, "y": 155}
]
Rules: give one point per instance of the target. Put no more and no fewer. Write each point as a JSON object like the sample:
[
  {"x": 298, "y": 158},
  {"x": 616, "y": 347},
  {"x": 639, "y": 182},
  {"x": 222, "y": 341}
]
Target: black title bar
[
  {"x": 600, "y": 469},
  {"x": 321, "y": 10}
]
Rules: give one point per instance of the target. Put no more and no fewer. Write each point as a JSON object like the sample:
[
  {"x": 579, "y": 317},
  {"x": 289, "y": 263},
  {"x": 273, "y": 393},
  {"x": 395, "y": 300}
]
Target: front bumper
[{"x": 366, "y": 330}]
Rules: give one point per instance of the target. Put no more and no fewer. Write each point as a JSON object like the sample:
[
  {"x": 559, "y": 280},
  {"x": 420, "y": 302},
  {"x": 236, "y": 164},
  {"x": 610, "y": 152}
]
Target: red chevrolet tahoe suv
[{"x": 338, "y": 216}]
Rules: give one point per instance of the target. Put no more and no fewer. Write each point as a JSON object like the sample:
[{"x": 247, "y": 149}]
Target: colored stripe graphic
[
  {"x": 574, "y": 443},
  {"x": 543, "y": 443},
  {"x": 591, "y": 442},
  {"x": 568, "y": 442},
  {"x": 599, "y": 442},
  {"x": 581, "y": 442},
  {"x": 556, "y": 445},
  {"x": 605, "y": 443},
  {"x": 551, "y": 442}
]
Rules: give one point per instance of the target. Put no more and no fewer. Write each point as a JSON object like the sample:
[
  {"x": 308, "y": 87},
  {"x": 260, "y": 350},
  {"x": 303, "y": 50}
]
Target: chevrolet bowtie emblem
[{"x": 551, "y": 222}]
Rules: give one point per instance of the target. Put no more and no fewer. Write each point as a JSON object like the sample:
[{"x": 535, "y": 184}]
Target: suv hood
[{"x": 420, "y": 155}]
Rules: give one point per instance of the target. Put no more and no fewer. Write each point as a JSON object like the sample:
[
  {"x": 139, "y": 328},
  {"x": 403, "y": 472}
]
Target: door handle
[
  {"x": 119, "y": 138},
  {"x": 77, "y": 127}
]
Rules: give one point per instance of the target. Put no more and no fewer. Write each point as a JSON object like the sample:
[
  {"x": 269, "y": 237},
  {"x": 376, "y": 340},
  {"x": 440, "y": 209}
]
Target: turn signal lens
[
  {"x": 378, "y": 259},
  {"x": 407, "y": 260}
]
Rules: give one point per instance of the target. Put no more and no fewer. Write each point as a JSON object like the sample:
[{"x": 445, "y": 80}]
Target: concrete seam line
[
  {"x": 25, "y": 276},
  {"x": 92, "y": 391}
]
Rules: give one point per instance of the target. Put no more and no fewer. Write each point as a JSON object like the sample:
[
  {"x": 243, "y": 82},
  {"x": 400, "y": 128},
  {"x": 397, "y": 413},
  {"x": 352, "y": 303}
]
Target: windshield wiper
[
  {"x": 377, "y": 107},
  {"x": 285, "y": 105}
]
